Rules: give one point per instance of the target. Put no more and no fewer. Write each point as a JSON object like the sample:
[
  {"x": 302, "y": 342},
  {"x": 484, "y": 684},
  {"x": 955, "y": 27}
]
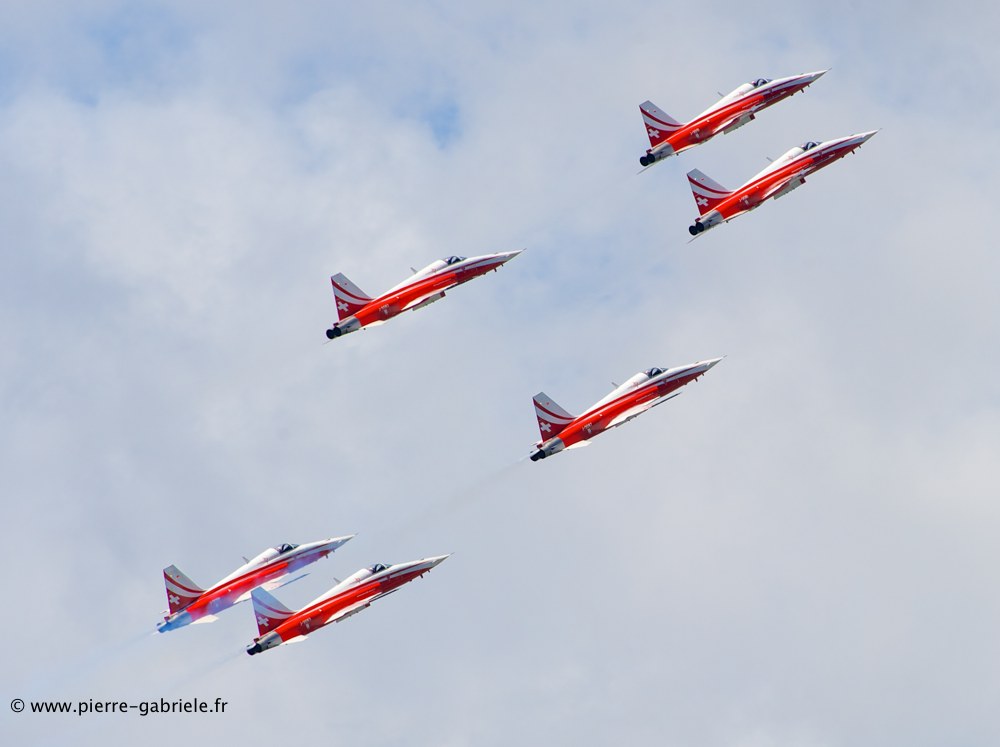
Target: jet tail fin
[
  {"x": 658, "y": 123},
  {"x": 551, "y": 417},
  {"x": 707, "y": 192},
  {"x": 268, "y": 610},
  {"x": 181, "y": 591},
  {"x": 350, "y": 298}
]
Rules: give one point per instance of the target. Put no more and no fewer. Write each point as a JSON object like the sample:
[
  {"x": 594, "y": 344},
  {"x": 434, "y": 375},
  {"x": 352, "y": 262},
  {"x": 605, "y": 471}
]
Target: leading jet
[
  {"x": 277, "y": 624},
  {"x": 718, "y": 204},
  {"x": 189, "y": 603},
  {"x": 356, "y": 309},
  {"x": 645, "y": 390},
  {"x": 668, "y": 137}
]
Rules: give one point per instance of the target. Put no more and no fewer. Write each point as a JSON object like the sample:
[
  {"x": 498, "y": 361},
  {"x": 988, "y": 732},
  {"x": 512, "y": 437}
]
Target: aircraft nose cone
[
  {"x": 438, "y": 559},
  {"x": 508, "y": 256},
  {"x": 712, "y": 362},
  {"x": 818, "y": 74},
  {"x": 866, "y": 136}
]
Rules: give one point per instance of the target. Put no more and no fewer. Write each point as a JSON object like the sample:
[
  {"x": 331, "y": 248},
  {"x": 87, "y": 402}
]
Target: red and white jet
[
  {"x": 355, "y": 309},
  {"x": 668, "y": 137},
  {"x": 645, "y": 390},
  {"x": 277, "y": 624},
  {"x": 189, "y": 603},
  {"x": 717, "y": 204}
]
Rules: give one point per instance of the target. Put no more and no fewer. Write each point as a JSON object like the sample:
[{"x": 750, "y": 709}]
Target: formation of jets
[
  {"x": 189, "y": 603},
  {"x": 277, "y": 624}
]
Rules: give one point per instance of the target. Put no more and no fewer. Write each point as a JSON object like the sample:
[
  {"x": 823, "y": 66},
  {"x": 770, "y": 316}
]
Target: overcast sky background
[{"x": 802, "y": 549}]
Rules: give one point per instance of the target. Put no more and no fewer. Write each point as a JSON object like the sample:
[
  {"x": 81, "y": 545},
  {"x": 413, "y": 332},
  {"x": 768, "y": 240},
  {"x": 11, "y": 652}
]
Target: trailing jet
[
  {"x": 645, "y": 390},
  {"x": 355, "y": 309},
  {"x": 189, "y": 603},
  {"x": 668, "y": 137},
  {"x": 717, "y": 204},
  {"x": 277, "y": 624}
]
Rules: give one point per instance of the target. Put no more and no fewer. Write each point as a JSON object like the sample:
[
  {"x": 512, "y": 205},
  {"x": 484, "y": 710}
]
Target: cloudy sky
[{"x": 802, "y": 549}]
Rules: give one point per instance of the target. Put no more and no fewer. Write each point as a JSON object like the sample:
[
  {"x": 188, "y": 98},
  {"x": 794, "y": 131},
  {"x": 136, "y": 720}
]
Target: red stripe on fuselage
[
  {"x": 598, "y": 419},
  {"x": 391, "y": 304},
  {"x": 682, "y": 139},
  {"x": 238, "y": 586},
  {"x": 748, "y": 196},
  {"x": 316, "y": 614}
]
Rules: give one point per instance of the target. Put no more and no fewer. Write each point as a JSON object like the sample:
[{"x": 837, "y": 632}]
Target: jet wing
[
  {"x": 346, "y": 612},
  {"x": 424, "y": 300},
  {"x": 271, "y": 585},
  {"x": 626, "y": 416},
  {"x": 784, "y": 186},
  {"x": 355, "y": 608},
  {"x": 733, "y": 123}
]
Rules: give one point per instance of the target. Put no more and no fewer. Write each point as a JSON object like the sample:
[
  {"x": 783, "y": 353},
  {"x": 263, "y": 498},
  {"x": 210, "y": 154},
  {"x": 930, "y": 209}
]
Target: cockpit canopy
[
  {"x": 654, "y": 372},
  {"x": 809, "y": 146},
  {"x": 761, "y": 82},
  {"x": 285, "y": 547},
  {"x": 378, "y": 568},
  {"x": 453, "y": 260}
]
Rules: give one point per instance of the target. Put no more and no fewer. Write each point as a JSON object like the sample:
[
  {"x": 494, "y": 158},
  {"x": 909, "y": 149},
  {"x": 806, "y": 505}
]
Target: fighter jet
[
  {"x": 277, "y": 624},
  {"x": 189, "y": 603},
  {"x": 717, "y": 204},
  {"x": 668, "y": 137},
  {"x": 355, "y": 309},
  {"x": 645, "y": 390}
]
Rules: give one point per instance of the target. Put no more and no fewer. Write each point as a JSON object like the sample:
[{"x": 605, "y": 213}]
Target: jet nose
[
  {"x": 866, "y": 136},
  {"x": 817, "y": 75},
  {"x": 710, "y": 363},
  {"x": 508, "y": 256},
  {"x": 438, "y": 559}
]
